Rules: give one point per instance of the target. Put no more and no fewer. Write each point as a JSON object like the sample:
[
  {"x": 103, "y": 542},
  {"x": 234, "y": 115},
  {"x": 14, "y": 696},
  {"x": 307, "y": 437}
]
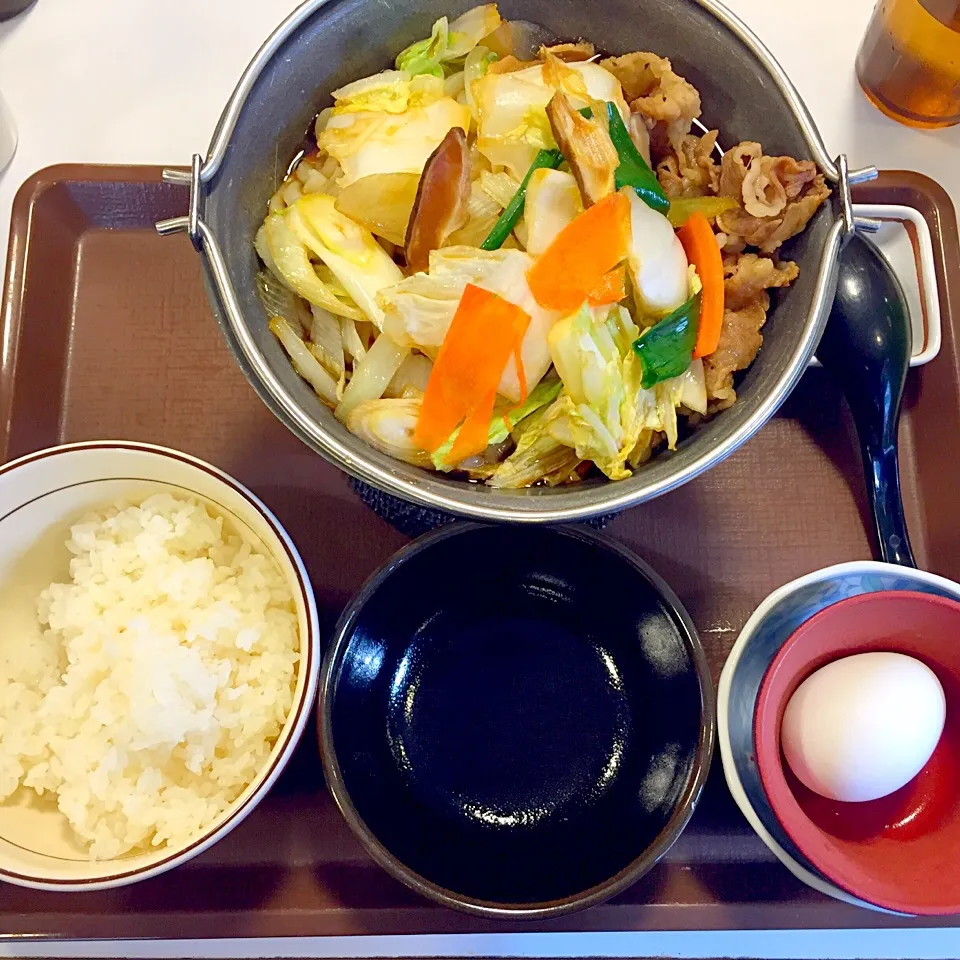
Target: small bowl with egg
[
  {"x": 160, "y": 657},
  {"x": 763, "y": 635},
  {"x": 857, "y": 738}
]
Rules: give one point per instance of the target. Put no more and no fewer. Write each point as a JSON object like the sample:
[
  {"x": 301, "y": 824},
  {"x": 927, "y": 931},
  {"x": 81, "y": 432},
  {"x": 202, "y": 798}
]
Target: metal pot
[{"x": 326, "y": 43}]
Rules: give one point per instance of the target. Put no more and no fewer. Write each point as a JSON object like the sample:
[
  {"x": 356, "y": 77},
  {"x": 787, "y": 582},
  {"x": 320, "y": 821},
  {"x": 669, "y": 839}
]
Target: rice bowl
[
  {"x": 199, "y": 741},
  {"x": 164, "y": 676}
]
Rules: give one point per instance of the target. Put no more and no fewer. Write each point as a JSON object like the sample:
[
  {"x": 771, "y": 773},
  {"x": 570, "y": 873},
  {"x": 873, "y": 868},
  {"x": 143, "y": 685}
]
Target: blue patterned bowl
[{"x": 759, "y": 641}]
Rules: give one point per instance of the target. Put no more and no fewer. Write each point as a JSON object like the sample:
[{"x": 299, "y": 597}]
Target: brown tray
[{"x": 107, "y": 333}]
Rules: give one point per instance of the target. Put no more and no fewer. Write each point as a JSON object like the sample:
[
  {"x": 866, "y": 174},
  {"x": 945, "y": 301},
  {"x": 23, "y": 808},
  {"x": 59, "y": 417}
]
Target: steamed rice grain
[{"x": 166, "y": 675}]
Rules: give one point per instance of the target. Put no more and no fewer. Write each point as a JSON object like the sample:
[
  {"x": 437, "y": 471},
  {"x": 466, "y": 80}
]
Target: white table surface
[{"x": 124, "y": 81}]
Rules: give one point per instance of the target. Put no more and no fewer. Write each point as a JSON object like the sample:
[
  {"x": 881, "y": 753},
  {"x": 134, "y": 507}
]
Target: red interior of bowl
[{"x": 901, "y": 852}]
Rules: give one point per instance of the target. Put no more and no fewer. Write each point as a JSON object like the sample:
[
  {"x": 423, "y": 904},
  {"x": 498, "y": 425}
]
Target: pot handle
[
  {"x": 202, "y": 237},
  {"x": 191, "y": 224},
  {"x": 846, "y": 179},
  {"x": 204, "y": 240}
]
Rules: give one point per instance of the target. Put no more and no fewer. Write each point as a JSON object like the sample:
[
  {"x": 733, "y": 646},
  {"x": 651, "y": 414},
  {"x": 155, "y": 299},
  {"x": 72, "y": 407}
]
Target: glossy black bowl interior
[{"x": 516, "y": 720}]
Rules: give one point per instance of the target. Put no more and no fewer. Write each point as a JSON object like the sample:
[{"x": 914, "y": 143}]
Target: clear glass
[{"x": 909, "y": 61}]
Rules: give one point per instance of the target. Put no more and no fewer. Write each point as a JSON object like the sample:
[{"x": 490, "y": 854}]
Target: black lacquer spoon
[{"x": 866, "y": 347}]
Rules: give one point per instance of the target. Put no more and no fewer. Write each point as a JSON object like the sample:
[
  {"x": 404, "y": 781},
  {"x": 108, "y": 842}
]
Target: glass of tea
[{"x": 909, "y": 61}]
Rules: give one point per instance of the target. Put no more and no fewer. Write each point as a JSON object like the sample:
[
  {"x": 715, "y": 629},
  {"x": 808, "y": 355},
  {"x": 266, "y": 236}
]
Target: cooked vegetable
[
  {"x": 388, "y": 426},
  {"x": 419, "y": 310},
  {"x": 505, "y": 420},
  {"x": 559, "y": 75},
  {"x": 687, "y": 391},
  {"x": 441, "y": 204},
  {"x": 552, "y": 202},
  {"x": 350, "y": 251},
  {"x": 372, "y": 375},
  {"x": 633, "y": 170},
  {"x": 389, "y": 123},
  {"x": 469, "y": 296},
  {"x": 470, "y": 28},
  {"x": 656, "y": 261},
  {"x": 304, "y": 362},
  {"x": 711, "y": 207},
  {"x": 504, "y": 40},
  {"x": 326, "y": 341},
  {"x": 693, "y": 388},
  {"x": 508, "y": 219},
  {"x": 353, "y": 346},
  {"x": 499, "y": 187},
  {"x": 279, "y": 300},
  {"x": 471, "y": 439},
  {"x": 569, "y": 52},
  {"x": 289, "y": 259},
  {"x": 640, "y": 136},
  {"x": 448, "y": 43},
  {"x": 700, "y": 246},
  {"x": 606, "y": 411},
  {"x": 610, "y": 289},
  {"x": 666, "y": 349},
  {"x": 586, "y": 145},
  {"x": 589, "y": 247},
  {"x": 602, "y": 408},
  {"x": 511, "y": 107},
  {"x": 485, "y": 331},
  {"x": 482, "y": 211},
  {"x": 424, "y": 56},
  {"x": 473, "y": 232},
  {"x": 382, "y": 203},
  {"x": 411, "y": 378},
  {"x": 538, "y": 456},
  {"x": 474, "y": 67},
  {"x": 453, "y": 86}
]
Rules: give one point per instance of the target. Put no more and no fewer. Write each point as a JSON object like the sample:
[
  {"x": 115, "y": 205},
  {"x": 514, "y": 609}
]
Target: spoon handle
[
  {"x": 866, "y": 347},
  {"x": 878, "y": 446}
]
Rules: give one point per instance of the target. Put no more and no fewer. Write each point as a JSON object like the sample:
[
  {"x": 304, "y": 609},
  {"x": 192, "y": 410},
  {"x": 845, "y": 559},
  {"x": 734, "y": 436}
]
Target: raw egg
[{"x": 863, "y": 726}]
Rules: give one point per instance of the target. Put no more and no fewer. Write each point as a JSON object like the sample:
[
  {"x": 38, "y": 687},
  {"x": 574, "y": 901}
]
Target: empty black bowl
[{"x": 516, "y": 721}]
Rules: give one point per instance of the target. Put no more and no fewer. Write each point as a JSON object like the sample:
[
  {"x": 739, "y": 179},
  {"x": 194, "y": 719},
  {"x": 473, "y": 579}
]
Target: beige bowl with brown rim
[{"x": 41, "y": 495}]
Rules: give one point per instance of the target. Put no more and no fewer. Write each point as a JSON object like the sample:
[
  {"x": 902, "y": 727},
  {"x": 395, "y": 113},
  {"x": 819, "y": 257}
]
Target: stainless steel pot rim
[
  {"x": 219, "y": 145},
  {"x": 430, "y": 492}
]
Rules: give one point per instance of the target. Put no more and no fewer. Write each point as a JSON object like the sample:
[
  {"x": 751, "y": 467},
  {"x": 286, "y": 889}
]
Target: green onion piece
[
  {"x": 508, "y": 219},
  {"x": 666, "y": 349},
  {"x": 633, "y": 170}
]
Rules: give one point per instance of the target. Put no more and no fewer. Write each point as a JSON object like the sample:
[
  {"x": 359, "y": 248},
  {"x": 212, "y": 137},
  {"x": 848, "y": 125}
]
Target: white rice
[{"x": 166, "y": 675}]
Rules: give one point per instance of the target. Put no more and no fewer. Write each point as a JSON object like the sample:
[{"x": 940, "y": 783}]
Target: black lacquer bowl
[{"x": 516, "y": 721}]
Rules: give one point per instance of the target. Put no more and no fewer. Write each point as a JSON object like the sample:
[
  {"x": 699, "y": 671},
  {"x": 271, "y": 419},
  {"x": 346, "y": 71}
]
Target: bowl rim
[
  {"x": 461, "y": 500},
  {"x": 683, "y": 807},
  {"x": 300, "y": 710},
  {"x": 770, "y": 765},
  {"x": 728, "y": 763}
]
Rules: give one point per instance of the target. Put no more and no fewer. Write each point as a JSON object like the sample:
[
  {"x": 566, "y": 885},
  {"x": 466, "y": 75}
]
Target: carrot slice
[
  {"x": 700, "y": 246},
  {"x": 521, "y": 373},
  {"x": 589, "y": 247},
  {"x": 611, "y": 288},
  {"x": 473, "y": 436},
  {"x": 484, "y": 332}
]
